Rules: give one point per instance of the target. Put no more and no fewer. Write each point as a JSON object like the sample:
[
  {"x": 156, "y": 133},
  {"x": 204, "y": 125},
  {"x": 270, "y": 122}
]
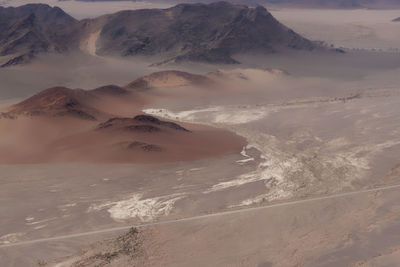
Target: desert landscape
[{"x": 259, "y": 133}]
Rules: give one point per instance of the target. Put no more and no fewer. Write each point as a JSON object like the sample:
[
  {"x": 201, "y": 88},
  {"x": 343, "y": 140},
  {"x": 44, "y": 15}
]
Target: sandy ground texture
[
  {"x": 353, "y": 231},
  {"x": 319, "y": 127},
  {"x": 301, "y": 148}
]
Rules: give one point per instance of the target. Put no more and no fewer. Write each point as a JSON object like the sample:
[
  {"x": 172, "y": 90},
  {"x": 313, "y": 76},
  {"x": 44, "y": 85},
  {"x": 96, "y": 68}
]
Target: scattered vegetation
[{"x": 124, "y": 250}]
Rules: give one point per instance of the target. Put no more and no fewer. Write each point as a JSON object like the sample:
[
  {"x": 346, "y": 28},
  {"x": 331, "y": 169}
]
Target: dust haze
[
  {"x": 355, "y": 29},
  {"x": 275, "y": 128},
  {"x": 83, "y": 10}
]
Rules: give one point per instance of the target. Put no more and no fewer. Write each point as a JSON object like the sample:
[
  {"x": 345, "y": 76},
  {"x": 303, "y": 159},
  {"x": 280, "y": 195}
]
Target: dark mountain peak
[
  {"x": 140, "y": 123},
  {"x": 188, "y": 7},
  {"x": 397, "y": 19},
  {"x": 34, "y": 7},
  {"x": 44, "y": 12},
  {"x": 260, "y": 11},
  {"x": 211, "y": 33},
  {"x": 25, "y": 9},
  {"x": 33, "y": 28},
  {"x": 28, "y": 21},
  {"x": 155, "y": 121}
]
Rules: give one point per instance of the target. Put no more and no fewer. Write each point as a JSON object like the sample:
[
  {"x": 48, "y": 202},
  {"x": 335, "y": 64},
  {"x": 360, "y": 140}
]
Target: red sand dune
[{"x": 105, "y": 125}]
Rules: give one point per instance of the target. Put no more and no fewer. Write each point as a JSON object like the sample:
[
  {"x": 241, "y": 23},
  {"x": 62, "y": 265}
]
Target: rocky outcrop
[
  {"x": 83, "y": 104},
  {"x": 140, "y": 123},
  {"x": 31, "y": 29},
  {"x": 211, "y": 33}
]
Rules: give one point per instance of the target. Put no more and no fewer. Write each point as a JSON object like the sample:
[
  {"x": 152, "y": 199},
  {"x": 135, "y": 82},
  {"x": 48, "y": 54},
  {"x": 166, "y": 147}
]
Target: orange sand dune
[{"x": 104, "y": 125}]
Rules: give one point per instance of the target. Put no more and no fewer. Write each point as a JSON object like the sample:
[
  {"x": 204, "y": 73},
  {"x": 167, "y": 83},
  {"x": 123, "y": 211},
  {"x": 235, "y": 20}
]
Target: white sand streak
[
  {"x": 201, "y": 217},
  {"x": 214, "y": 115},
  {"x": 275, "y": 166},
  {"x": 273, "y": 170},
  {"x": 339, "y": 168},
  {"x": 10, "y": 238},
  {"x": 230, "y": 115},
  {"x": 89, "y": 45},
  {"x": 331, "y": 167},
  {"x": 136, "y": 207},
  {"x": 247, "y": 158}
]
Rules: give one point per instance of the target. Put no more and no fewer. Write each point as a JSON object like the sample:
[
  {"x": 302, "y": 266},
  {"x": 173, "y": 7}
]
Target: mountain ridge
[
  {"x": 197, "y": 32},
  {"x": 211, "y": 33},
  {"x": 31, "y": 29},
  {"x": 83, "y": 104},
  {"x": 335, "y": 4},
  {"x": 107, "y": 124}
]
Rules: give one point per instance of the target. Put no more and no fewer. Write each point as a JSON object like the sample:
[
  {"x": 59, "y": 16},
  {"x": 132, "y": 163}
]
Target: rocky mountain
[
  {"x": 337, "y": 4},
  {"x": 106, "y": 124},
  {"x": 110, "y": 101},
  {"x": 64, "y": 102},
  {"x": 31, "y": 29},
  {"x": 94, "y": 104},
  {"x": 196, "y": 32},
  {"x": 210, "y": 33},
  {"x": 140, "y": 123},
  {"x": 397, "y": 19}
]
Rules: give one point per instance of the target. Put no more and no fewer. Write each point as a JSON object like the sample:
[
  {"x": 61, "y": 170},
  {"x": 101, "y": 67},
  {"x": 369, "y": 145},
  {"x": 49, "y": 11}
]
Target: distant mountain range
[
  {"x": 210, "y": 33},
  {"x": 31, "y": 29},
  {"x": 397, "y": 19},
  {"x": 345, "y": 4}
]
